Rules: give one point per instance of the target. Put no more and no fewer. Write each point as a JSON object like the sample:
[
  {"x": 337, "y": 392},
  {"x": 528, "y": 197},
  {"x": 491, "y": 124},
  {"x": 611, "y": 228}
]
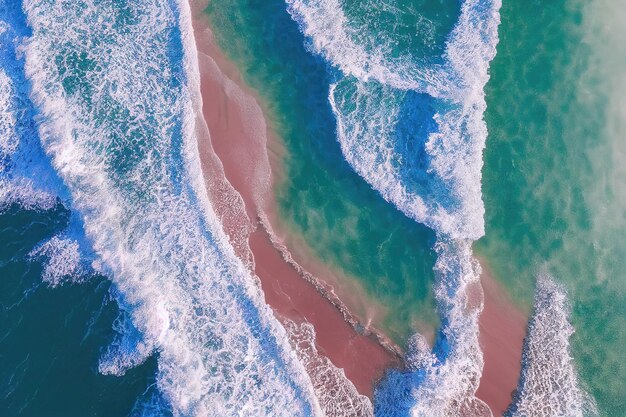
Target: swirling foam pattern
[
  {"x": 113, "y": 82},
  {"x": 433, "y": 175},
  {"x": 413, "y": 129}
]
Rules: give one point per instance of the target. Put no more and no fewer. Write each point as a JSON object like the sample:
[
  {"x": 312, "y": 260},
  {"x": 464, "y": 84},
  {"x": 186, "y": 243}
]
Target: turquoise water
[
  {"x": 120, "y": 295},
  {"x": 322, "y": 198},
  {"x": 549, "y": 172}
]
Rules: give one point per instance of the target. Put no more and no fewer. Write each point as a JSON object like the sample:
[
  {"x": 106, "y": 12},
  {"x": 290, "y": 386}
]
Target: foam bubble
[
  {"x": 549, "y": 386},
  {"x": 22, "y": 192}
]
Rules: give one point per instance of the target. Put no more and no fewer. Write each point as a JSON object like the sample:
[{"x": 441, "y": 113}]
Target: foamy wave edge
[
  {"x": 180, "y": 367},
  {"x": 444, "y": 382},
  {"x": 549, "y": 384}
]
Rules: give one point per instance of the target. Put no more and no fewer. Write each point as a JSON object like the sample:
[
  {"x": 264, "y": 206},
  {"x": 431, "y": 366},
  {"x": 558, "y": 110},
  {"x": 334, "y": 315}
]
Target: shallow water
[{"x": 321, "y": 197}]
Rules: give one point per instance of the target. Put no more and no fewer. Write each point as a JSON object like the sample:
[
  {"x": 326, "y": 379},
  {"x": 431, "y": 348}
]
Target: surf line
[{"x": 442, "y": 190}]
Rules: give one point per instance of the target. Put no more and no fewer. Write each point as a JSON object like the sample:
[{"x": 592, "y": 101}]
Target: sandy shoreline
[
  {"x": 235, "y": 160},
  {"x": 237, "y": 149}
]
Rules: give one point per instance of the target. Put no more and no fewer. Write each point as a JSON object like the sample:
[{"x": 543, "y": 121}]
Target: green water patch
[
  {"x": 347, "y": 224},
  {"x": 411, "y": 29},
  {"x": 51, "y": 338},
  {"x": 549, "y": 205}
]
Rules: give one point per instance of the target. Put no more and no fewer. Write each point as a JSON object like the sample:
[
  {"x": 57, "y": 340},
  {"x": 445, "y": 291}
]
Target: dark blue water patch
[
  {"x": 415, "y": 123},
  {"x": 51, "y": 338},
  {"x": 22, "y": 230},
  {"x": 151, "y": 404},
  {"x": 442, "y": 347}
]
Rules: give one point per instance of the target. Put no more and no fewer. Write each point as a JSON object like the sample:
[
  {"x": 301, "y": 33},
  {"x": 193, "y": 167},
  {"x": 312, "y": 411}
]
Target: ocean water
[
  {"x": 390, "y": 91},
  {"x": 102, "y": 96},
  {"x": 550, "y": 68},
  {"x": 322, "y": 198},
  {"x": 52, "y": 336},
  {"x": 120, "y": 294},
  {"x": 553, "y": 179}
]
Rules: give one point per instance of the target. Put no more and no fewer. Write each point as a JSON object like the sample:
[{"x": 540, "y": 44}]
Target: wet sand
[
  {"x": 239, "y": 159},
  {"x": 502, "y": 331},
  {"x": 236, "y": 163}
]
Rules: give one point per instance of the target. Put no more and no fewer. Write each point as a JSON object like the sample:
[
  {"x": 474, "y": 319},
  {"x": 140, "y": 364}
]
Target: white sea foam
[
  {"x": 549, "y": 386},
  {"x": 442, "y": 383},
  {"x": 15, "y": 189},
  {"x": 435, "y": 179},
  {"x": 112, "y": 97},
  {"x": 470, "y": 47},
  {"x": 63, "y": 260},
  {"x": 129, "y": 348},
  {"x": 337, "y": 395},
  {"x": 327, "y": 28},
  {"x": 8, "y": 137},
  {"x": 26, "y": 178},
  {"x": 414, "y": 130}
]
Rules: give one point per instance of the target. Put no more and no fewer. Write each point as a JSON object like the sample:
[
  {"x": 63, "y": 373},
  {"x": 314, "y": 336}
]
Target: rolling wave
[{"x": 113, "y": 85}]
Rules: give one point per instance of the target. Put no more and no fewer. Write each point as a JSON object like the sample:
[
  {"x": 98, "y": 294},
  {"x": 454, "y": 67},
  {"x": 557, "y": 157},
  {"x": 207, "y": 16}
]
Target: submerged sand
[{"x": 502, "y": 331}]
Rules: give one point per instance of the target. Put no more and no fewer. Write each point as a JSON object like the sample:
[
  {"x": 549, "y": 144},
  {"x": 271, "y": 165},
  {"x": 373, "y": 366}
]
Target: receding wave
[
  {"x": 112, "y": 85},
  {"x": 549, "y": 385}
]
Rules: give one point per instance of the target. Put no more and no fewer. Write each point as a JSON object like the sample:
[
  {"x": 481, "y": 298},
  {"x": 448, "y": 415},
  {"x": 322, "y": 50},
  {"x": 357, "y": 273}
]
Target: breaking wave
[
  {"x": 549, "y": 385},
  {"x": 112, "y": 85},
  {"x": 26, "y": 177},
  {"x": 63, "y": 260}
]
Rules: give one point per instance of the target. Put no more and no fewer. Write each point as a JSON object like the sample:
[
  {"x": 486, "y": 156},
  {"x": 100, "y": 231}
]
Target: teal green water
[
  {"x": 51, "y": 338},
  {"x": 554, "y": 190},
  {"x": 551, "y": 186},
  {"x": 346, "y": 223},
  {"x": 415, "y": 28}
]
